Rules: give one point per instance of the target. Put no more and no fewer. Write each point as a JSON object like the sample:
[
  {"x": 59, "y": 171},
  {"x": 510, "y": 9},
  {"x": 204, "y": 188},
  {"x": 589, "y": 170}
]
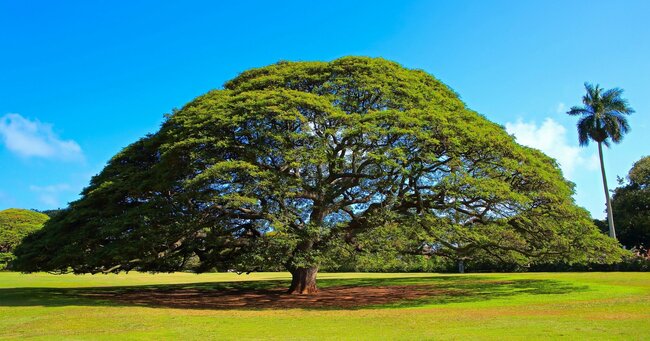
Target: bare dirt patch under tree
[{"x": 331, "y": 297}]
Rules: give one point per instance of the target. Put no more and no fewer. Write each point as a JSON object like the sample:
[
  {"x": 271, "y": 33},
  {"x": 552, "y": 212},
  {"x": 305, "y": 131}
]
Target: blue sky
[{"x": 81, "y": 80}]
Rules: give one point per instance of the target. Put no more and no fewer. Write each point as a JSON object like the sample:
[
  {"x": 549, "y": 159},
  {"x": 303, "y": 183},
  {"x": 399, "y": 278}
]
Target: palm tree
[{"x": 602, "y": 119}]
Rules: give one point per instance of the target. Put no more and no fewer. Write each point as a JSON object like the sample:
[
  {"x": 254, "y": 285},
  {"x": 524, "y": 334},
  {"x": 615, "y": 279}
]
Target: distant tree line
[{"x": 16, "y": 224}]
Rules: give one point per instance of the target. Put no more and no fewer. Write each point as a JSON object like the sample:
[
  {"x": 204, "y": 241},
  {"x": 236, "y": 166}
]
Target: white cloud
[
  {"x": 29, "y": 138},
  {"x": 551, "y": 138},
  {"x": 561, "y": 108},
  {"x": 49, "y": 195}
]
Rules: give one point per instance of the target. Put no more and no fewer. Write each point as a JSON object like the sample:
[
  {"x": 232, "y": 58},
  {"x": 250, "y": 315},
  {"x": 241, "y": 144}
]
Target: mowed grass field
[{"x": 476, "y": 306}]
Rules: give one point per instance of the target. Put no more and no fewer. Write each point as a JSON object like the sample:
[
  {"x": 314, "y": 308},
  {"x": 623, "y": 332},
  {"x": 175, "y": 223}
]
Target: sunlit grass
[{"x": 485, "y": 306}]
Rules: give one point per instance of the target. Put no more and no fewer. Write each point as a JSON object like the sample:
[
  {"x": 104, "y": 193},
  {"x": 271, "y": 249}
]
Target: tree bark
[
  {"x": 461, "y": 266},
  {"x": 610, "y": 213},
  {"x": 303, "y": 281}
]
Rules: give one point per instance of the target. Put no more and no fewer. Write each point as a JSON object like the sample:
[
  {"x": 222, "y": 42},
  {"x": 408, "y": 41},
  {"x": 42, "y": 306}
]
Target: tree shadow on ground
[{"x": 334, "y": 293}]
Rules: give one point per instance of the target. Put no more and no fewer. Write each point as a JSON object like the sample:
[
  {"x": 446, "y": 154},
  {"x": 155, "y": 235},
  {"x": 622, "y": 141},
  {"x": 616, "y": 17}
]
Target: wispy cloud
[
  {"x": 551, "y": 138},
  {"x": 561, "y": 108},
  {"x": 49, "y": 195},
  {"x": 33, "y": 138}
]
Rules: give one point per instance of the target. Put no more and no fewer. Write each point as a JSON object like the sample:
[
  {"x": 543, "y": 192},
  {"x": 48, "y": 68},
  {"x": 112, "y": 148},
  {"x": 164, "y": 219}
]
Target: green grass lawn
[{"x": 476, "y": 306}]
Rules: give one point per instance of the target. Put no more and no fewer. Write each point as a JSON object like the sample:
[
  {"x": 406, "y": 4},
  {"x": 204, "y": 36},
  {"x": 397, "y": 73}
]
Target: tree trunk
[
  {"x": 610, "y": 213},
  {"x": 461, "y": 266},
  {"x": 303, "y": 281}
]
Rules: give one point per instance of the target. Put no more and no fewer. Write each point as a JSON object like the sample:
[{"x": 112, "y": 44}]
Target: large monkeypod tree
[{"x": 291, "y": 162}]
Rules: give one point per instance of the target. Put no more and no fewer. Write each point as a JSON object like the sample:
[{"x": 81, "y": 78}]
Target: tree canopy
[
  {"x": 15, "y": 224},
  {"x": 632, "y": 205},
  {"x": 292, "y": 163}
]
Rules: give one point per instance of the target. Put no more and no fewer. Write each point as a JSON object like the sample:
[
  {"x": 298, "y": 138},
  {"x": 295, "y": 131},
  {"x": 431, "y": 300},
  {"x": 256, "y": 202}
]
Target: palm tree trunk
[{"x": 610, "y": 214}]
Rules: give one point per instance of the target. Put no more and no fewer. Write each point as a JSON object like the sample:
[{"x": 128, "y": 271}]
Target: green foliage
[
  {"x": 50, "y": 213},
  {"x": 631, "y": 202},
  {"x": 15, "y": 224},
  {"x": 639, "y": 175},
  {"x": 602, "y": 116},
  {"x": 293, "y": 162}
]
